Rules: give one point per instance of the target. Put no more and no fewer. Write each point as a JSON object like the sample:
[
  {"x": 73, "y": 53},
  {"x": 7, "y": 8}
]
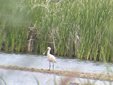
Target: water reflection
[{"x": 15, "y": 77}]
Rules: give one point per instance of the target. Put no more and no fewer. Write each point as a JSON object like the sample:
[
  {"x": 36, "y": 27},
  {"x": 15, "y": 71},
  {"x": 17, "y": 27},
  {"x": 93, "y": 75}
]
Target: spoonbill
[{"x": 50, "y": 57}]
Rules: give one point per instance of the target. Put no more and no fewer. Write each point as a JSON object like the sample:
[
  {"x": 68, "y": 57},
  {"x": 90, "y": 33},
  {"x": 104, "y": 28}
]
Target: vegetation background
[{"x": 73, "y": 28}]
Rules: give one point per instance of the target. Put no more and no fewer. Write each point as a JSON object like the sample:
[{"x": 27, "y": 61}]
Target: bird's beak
[{"x": 44, "y": 52}]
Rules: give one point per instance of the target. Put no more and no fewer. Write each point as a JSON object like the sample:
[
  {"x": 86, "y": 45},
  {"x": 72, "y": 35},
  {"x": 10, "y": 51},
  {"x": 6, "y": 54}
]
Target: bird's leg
[
  {"x": 49, "y": 65},
  {"x": 53, "y": 65}
]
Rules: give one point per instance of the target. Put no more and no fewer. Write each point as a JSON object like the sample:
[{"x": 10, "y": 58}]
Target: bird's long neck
[{"x": 48, "y": 52}]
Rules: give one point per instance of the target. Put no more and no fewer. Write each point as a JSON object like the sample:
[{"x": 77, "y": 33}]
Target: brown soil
[{"x": 104, "y": 77}]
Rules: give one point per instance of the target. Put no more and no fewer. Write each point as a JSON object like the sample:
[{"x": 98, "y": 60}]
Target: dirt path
[{"x": 104, "y": 77}]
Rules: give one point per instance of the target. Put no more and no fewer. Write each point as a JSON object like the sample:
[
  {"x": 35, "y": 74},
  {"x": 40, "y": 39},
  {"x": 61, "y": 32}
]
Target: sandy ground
[{"x": 96, "y": 76}]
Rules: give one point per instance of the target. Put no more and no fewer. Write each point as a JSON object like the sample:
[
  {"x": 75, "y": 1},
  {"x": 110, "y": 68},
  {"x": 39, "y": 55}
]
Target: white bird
[{"x": 50, "y": 57}]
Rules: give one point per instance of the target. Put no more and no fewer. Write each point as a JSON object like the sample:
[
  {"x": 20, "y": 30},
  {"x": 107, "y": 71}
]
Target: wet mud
[{"x": 96, "y": 76}]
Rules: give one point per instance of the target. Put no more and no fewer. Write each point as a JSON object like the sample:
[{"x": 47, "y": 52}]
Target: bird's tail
[{"x": 55, "y": 61}]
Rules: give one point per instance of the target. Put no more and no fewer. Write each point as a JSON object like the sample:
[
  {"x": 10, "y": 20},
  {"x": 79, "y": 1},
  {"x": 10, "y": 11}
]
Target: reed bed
[{"x": 73, "y": 28}]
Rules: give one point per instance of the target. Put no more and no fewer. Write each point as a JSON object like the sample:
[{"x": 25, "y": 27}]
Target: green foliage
[
  {"x": 36, "y": 80},
  {"x": 59, "y": 22},
  {"x": 1, "y": 78}
]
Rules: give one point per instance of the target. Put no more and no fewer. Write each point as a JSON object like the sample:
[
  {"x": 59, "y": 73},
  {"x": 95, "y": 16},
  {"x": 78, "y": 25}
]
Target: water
[{"x": 16, "y": 77}]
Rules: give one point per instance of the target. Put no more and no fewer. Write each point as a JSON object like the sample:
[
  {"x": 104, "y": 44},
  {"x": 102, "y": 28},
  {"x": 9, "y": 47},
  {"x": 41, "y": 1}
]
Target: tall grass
[
  {"x": 79, "y": 28},
  {"x": 3, "y": 80}
]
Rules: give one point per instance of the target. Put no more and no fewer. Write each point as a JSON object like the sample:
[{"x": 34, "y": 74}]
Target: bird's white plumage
[{"x": 50, "y": 57}]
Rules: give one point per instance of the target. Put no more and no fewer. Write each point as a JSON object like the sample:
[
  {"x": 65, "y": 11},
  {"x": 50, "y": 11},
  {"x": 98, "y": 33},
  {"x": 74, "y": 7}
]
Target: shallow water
[{"x": 16, "y": 77}]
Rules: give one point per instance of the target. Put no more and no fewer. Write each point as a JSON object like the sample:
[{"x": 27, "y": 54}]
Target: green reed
[
  {"x": 37, "y": 81},
  {"x": 58, "y": 23},
  {"x": 1, "y": 78}
]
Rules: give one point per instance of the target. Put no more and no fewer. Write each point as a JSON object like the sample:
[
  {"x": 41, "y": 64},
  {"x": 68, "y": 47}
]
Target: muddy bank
[{"x": 96, "y": 76}]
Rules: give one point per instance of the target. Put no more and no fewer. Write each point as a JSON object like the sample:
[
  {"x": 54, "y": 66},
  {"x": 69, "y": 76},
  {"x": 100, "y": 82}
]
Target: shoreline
[{"x": 95, "y": 76}]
